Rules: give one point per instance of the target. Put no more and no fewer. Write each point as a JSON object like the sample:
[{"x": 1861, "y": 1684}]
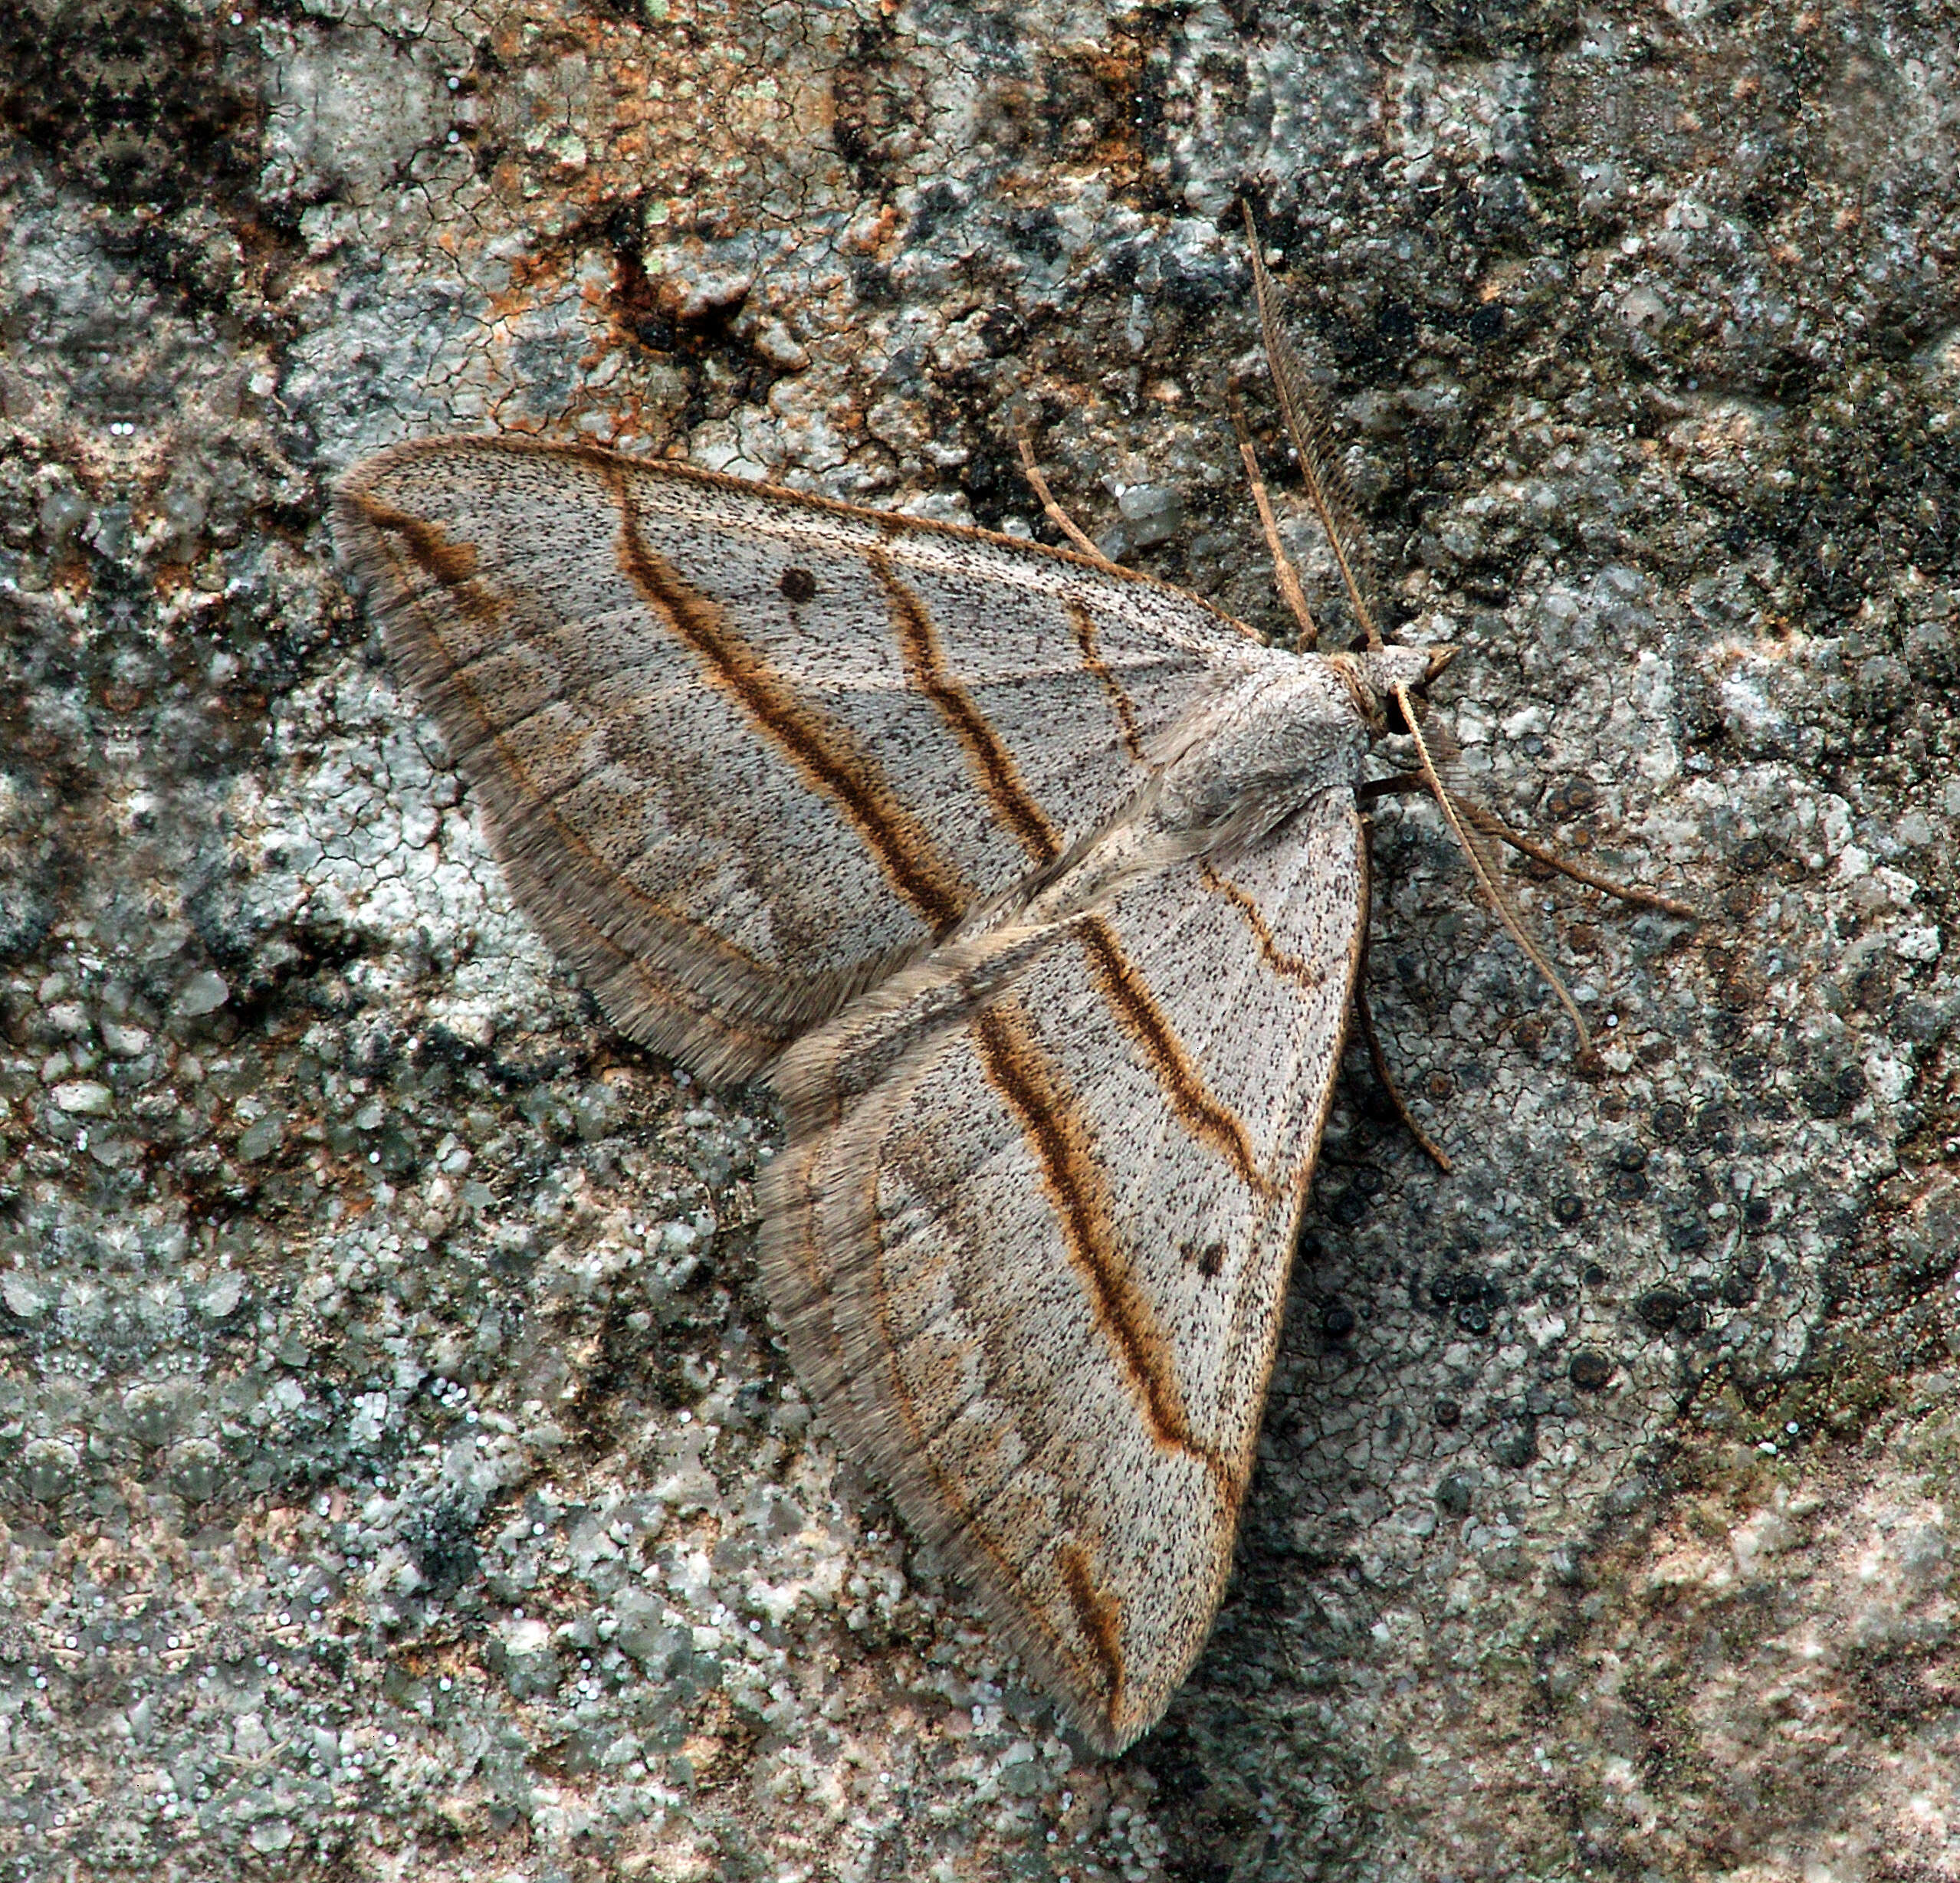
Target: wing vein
[
  {"x": 1031, "y": 1088},
  {"x": 924, "y": 660},
  {"x": 825, "y": 754}
]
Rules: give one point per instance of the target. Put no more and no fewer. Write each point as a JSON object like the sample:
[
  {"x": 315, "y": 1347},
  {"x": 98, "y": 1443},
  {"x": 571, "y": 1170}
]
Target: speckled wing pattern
[
  {"x": 741, "y": 753},
  {"x": 1038, "y": 889},
  {"x": 1031, "y": 1239}
]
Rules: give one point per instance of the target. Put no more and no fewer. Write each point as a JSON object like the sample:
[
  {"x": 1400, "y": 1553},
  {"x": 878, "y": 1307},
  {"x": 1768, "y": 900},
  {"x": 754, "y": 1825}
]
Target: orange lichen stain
[
  {"x": 1119, "y": 72},
  {"x": 534, "y": 280},
  {"x": 621, "y": 422},
  {"x": 71, "y": 580},
  {"x": 658, "y": 113},
  {"x": 868, "y": 237},
  {"x": 1778, "y": 638}
]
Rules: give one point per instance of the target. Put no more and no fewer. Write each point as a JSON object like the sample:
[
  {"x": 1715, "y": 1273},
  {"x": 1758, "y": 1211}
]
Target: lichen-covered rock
[{"x": 399, "y": 1473}]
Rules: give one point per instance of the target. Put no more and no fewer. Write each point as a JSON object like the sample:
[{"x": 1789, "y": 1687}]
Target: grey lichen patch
[
  {"x": 398, "y": 1470},
  {"x": 1762, "y": 1669}
]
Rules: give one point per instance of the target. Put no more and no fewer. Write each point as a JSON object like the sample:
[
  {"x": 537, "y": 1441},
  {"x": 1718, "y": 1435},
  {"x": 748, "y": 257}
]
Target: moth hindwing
[{"x": 1036, "y": 887}]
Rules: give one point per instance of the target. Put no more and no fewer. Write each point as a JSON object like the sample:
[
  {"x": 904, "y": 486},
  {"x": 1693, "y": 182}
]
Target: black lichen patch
[{"x": 142, "y": 105}]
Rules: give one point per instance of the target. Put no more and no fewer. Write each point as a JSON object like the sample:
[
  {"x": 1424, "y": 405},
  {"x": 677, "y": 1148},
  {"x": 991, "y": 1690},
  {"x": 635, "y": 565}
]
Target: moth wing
[
  {"x": 743, "y": 752},
  {"x": 1030, "y": 1240}
]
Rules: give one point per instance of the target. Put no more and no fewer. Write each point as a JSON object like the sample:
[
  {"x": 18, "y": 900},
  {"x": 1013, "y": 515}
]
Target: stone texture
[{"x": 399, "y": 1476}]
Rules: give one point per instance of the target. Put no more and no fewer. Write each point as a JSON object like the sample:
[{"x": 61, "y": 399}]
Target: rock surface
[{"x": 400, "y": 1476}]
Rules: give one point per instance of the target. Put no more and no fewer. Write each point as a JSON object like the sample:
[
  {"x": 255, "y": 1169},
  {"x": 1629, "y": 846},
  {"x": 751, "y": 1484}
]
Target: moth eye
[
  {"x": 799, "y": 584},
  {"x": 1398, "y": 721}
]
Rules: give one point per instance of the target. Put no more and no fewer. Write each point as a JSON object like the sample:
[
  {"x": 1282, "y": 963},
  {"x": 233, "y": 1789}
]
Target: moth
[{"x": 1038, "y": 890}]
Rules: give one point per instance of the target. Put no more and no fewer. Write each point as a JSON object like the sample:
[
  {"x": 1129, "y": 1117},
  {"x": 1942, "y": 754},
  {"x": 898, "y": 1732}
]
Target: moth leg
[
  {"x": 1364, "y": 1018},
  {"x": 1413, "y": 784},
  {"x": 1055, "y": 513},
  {"x": 1489, "y": 821},
  {"x": 1283, "y": 571},
  {"x": 1436, "y": 744}
]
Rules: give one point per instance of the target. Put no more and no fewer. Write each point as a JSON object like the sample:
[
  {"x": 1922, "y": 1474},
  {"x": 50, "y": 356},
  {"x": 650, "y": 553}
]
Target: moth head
[{"x": 1382, "y": 670}]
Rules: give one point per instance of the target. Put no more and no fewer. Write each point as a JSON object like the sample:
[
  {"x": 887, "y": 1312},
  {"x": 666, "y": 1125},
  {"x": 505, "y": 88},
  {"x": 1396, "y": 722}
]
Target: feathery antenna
[
  {"x": 1306, "y": 426},
  {"x": 1471, "y": 823},
  {"x": 1283, "y": 571}
]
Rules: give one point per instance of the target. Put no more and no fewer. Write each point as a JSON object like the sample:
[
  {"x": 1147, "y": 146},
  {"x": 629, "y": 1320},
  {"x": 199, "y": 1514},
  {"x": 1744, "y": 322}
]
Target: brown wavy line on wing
[
  {"x": 442, "y": 683},
  {"x": 1100, "y": 1616},
  {"x": 911, "y": 620},
  {"x": 1203, "y": 1115},
  {"x": 1291, "y": 966},
  {"x": 1033, "y": 1090},
  {"x": 825, "y": 754},
  {"x": 452, "y": 564},
  {"x": 956, "y": 1513},
  {"x": 1083, "y": 623},
  {"x": 970, "y": 1521}
]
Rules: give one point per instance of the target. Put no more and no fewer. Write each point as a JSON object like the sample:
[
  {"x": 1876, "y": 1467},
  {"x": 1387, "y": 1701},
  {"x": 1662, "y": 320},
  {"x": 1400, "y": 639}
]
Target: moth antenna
[
  {"x": 1283, "y": 571},
  {"x": 1306, "y": 426},
  {"x": 1458, "y": 813},
  {"x": 1055, "y": 513}
]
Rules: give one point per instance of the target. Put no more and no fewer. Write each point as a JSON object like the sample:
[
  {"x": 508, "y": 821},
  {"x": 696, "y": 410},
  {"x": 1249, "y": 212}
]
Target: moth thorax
[
  {"x": 1384, "y": 669},
  {"x": 1289, "y": 733}
]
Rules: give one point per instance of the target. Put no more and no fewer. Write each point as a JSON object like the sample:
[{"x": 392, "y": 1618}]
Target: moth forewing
[
  {"x": 911, "y": 716},
  {"x": 1047, "y": 1242}
]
